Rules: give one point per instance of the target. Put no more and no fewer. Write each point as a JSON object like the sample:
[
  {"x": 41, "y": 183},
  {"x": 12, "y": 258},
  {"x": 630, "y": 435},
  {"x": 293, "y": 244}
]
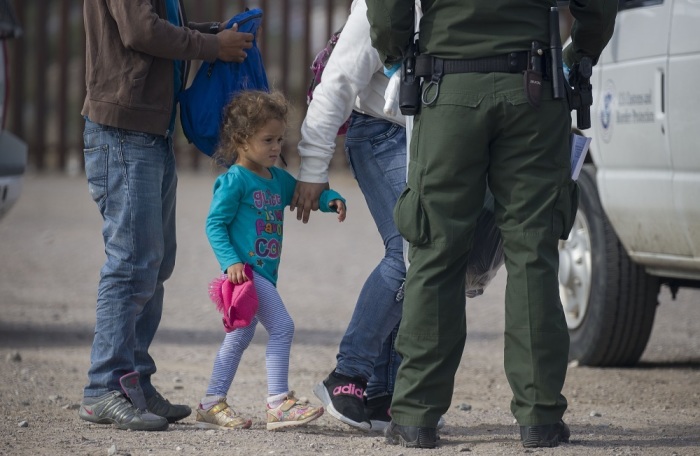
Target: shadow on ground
[
  {"x": 35, "y": 336},
  {"x": 583, "y": 437}
]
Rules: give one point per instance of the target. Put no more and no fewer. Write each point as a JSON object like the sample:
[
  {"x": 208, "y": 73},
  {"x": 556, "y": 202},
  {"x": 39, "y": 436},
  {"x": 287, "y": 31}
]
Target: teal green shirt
[{"x": 245, "y": 221}]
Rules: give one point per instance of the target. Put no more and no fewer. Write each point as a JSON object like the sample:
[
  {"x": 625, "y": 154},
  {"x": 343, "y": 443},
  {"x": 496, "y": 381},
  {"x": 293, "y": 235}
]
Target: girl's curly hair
[{"x": 246, "y": 113}]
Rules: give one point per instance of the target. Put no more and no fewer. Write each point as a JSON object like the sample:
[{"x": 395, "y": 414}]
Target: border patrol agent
[{"x": 482, "y": 123}]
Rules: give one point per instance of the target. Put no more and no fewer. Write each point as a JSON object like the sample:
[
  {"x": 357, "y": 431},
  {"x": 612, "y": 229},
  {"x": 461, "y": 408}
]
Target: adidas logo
[{"x": 350, "y": 390}]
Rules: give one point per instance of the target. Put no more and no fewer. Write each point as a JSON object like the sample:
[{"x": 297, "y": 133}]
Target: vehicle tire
[{"x": 609, "y": 301}]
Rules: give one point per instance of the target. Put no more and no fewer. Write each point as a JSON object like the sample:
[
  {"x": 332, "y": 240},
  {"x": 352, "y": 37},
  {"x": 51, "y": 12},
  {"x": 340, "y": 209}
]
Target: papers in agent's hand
[{"x": 579, "y": 149}]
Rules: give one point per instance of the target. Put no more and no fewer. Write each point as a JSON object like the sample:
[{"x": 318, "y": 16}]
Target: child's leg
[
  {"x": 213, "y": 411},
  {"x": 228, "y": 358},
  {"x": 283, "y": 409},
  {"x": 274, "y": 317}
]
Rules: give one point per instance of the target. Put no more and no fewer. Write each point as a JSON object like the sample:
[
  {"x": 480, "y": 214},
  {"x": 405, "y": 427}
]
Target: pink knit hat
[{"x": 237, "y": 303}]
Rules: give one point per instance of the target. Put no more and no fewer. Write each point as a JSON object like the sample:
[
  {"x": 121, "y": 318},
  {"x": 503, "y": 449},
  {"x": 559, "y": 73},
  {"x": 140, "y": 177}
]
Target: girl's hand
[
  {"x": 236, "y": 274},
  {"x": 339, "y": 207}
]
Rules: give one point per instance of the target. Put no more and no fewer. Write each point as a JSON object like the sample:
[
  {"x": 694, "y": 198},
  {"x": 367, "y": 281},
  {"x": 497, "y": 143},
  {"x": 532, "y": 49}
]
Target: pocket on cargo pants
[
  {"x": 409, "y": 213},
  {"x": 565, "y": 210}
]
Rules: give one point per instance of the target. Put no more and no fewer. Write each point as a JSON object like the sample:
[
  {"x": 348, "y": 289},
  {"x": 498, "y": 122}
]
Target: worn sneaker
[
  {"x": 292, "y": 412},
  {"x": 162, "y": 407},
  {"x": 343, "y": 397},
  {"x": 220, "y": 416},
  {"x": 411, "y": 436},
  {"x": 115, "y": 408},
  {"x": 545, "y": 435},
  {"x": 378, "y": 411}
]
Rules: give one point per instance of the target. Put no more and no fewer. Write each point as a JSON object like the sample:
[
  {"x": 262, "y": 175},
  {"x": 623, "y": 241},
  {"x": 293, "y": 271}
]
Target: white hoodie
[{"x": 353, "y": 79}]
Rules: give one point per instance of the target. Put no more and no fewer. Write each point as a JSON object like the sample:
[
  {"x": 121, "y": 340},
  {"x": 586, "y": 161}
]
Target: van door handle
[{"x": 660, "y": 100}]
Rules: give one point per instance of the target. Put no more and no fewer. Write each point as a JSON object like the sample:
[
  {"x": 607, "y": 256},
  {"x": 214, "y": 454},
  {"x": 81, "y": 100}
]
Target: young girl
[{"x": 245, "y": 226}]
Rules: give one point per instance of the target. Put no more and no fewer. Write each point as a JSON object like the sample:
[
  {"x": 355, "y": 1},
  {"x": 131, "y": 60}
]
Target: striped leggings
[{"x": 280, "y": 327}]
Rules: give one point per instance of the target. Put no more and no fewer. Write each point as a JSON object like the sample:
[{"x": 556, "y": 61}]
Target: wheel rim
[{"x": 575, "y": 271}]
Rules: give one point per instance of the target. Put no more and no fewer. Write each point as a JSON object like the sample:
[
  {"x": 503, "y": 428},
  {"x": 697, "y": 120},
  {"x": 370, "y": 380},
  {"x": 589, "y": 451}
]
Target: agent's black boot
[
  {"x": 544, "y": 435},
  {"x": 411, "y": 436}
]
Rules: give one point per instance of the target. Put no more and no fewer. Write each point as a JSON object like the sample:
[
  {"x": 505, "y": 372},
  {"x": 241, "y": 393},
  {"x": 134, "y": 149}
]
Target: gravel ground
[{"x": 50, "y": 255}]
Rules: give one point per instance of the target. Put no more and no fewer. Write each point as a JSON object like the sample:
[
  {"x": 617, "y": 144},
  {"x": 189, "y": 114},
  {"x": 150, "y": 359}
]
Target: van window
[{"x": 630, "y": 4}]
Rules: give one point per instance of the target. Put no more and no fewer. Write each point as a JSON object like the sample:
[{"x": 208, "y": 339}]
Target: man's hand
[
  {"x": 305, "y": 199},
  {"x": 232, "y": 44}
]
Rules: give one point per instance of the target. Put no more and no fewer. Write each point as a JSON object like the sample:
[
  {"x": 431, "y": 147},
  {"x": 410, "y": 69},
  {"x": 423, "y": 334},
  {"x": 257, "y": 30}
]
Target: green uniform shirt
[{"x": 460, "y": 29}]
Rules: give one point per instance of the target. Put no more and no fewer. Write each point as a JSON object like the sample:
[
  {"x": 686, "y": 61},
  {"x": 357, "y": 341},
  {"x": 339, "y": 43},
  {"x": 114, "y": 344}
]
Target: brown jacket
[{"x": 130, "y": 50}]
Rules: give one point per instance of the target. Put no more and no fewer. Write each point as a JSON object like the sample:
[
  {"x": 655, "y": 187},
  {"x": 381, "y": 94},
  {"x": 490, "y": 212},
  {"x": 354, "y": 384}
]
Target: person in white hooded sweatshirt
[{"x": 358, "y": 391}]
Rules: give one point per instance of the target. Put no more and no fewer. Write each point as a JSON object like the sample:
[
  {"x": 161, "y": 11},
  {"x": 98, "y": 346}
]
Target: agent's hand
[
  {"x": 305, "y": 199},
  {"x": 236, "y": 274},
  {"x": 339, "y": 207},
  {"x": 232, "y": 44}
]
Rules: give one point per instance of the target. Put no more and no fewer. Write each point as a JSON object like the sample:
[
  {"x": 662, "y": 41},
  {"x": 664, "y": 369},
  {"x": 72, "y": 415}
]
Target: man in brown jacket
[{"x": 136, "y": 63}]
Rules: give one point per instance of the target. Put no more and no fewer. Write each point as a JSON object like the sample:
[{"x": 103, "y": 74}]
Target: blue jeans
[
  {"x": 376, "y": 151},
  {"x": 132, "y": 178}
]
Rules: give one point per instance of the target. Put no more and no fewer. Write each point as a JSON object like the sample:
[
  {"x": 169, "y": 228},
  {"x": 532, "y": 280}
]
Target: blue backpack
[{"x": 202, "y": 104}]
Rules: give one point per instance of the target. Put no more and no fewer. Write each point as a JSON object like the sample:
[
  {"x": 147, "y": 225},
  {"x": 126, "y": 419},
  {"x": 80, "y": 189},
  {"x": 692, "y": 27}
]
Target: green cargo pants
[{"x": 481, "y": 129}]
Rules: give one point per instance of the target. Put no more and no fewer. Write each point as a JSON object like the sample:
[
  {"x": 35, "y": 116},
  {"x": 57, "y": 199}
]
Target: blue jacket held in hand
[{"x": 215, "y": 83}]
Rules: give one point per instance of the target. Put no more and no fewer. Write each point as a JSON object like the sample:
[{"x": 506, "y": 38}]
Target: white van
[{"x": 638, "y": 224}]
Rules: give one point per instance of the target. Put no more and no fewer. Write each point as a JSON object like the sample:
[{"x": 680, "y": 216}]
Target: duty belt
[{"x": 515, "y": 62}]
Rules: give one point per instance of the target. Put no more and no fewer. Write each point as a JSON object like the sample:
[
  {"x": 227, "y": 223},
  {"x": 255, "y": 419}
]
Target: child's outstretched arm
[
  {"x": 331, "y": 201},
  {"x": 305, "y": 199},
  {"x": 328, "y": 201}
]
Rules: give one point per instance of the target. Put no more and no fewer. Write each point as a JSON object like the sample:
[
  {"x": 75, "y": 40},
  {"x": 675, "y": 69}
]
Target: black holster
[{"x": 409, "y": 89}]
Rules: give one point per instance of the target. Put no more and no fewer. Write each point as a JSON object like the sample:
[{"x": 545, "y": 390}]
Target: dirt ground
[{"x": 50, "y": 255}]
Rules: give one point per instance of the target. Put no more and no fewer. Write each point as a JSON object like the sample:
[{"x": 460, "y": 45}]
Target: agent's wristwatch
[{"x": 214, "y": 28}]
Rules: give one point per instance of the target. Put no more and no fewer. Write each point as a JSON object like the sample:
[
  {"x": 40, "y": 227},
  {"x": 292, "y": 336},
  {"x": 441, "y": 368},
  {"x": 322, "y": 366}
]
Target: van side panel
[
  {"x": 635, "y": 176},
  {"x": 684, "y": 118}
]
